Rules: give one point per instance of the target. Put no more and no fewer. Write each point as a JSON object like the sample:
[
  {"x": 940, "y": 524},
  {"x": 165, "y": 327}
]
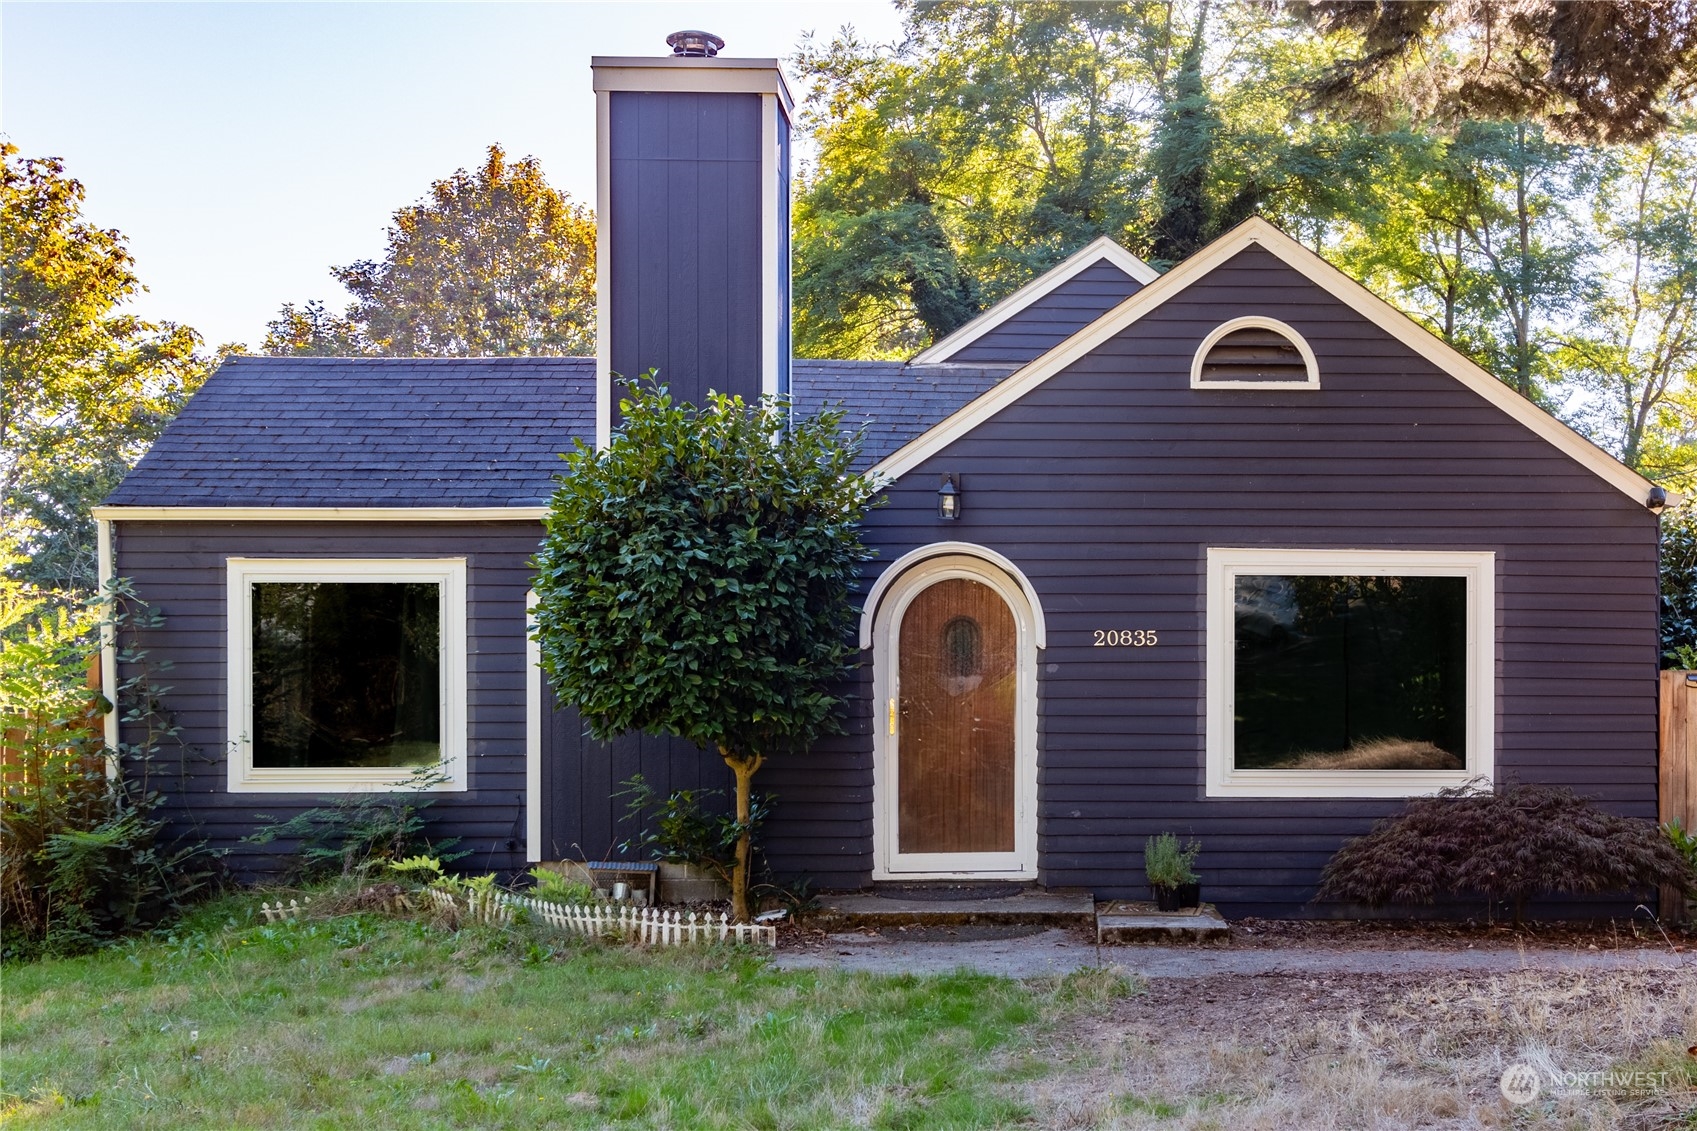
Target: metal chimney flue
[{"x": 695, "y": 44}]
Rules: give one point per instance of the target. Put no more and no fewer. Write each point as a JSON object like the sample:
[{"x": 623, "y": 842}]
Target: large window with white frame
[
  {"x": 1349, "y": 673},
  {"x": 346, "y": 674}
]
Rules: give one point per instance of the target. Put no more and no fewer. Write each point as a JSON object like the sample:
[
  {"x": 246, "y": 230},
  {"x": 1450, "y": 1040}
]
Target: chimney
[{"x": 693, "y": 223}]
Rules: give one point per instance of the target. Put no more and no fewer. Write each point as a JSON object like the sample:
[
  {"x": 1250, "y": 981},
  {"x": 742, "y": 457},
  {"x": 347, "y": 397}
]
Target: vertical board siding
[
  {"x": 1053, "y": 318},
  {"x": 1106, "y": 486},
  {"x": 685, "y": 245}
]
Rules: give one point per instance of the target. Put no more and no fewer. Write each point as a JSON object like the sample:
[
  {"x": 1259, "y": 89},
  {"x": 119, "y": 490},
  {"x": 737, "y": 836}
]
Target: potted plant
[{"x": 1168, "y": 866}]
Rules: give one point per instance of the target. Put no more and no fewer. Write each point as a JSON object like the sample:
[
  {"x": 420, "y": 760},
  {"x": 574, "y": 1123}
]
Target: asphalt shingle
[{"x": 475, "y": 432}]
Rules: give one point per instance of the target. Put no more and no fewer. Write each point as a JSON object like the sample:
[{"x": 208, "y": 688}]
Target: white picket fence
[
  {"x": 277, "y": 913},
  {"x": 654, "y": 926}
]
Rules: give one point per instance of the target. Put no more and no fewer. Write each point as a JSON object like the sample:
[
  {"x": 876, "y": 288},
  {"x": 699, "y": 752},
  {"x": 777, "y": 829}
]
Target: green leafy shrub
[
  {"x": 82, "y": 854},
  {"x": 681, "y": 829},
  {"x": 355, "y": 833},
  {"x": 1683, "y": 842},
  {"x": 554, "y": 887},
  {"x": 1511, "y": 845},
  {"x": 1167, "y": 864},
  {"x": 1679, "y": 588}
]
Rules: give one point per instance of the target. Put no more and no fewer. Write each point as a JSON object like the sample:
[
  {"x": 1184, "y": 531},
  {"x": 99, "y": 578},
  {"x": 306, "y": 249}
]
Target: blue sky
[{"x": 245, "y": 148}]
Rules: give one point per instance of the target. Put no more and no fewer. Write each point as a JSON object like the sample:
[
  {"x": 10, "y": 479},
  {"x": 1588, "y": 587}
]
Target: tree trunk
[{"x": 743, "y": 767}]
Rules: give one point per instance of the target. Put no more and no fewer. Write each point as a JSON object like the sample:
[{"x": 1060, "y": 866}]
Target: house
[{"x": 1236, "y": 551}]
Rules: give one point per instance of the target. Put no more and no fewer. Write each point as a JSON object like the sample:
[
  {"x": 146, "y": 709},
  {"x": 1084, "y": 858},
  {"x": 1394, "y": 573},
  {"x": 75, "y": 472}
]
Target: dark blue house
[{"x": 1236, "y": 551}]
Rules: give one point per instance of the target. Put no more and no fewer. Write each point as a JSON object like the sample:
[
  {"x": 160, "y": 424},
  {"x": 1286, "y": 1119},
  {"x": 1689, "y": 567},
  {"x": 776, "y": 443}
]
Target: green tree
[
  {"x": 991, "y": 142},
  {"x": 1590, "y": 69},
  {"x": 491, "y": 262},
  {"x": 996, "y": 139},
  {"x": 695, "y": 581},
  {"x": 1476, "y": 235},
  {"x": 310, "y": 330},
  {"x": 1184, "y": 154},
  {"x": 1679, "y": 587},
  {"x": 85, "y": 386},
  {"x": 1632, "y": 360}
]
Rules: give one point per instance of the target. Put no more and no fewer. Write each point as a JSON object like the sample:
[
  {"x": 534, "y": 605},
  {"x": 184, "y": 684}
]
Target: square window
[
  {"x": 1348, "y": 673},
  {"x": 346, "y": 674}
]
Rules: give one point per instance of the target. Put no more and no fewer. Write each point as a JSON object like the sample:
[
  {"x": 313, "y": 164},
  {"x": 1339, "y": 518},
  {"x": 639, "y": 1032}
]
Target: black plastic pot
[{"x": 1178, "y": 898}]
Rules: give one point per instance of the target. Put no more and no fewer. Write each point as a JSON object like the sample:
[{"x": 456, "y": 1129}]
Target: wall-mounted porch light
[{"x": 948, "y": 497}]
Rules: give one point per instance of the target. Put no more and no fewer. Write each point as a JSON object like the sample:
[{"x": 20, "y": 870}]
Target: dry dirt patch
[{"x": 1372, "y": 1051}]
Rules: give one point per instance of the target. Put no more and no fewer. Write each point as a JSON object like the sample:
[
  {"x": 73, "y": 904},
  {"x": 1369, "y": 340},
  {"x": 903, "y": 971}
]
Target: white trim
[
  {"x": 1224, "y": 565},
  {"x": 321, "y": 514},
  {"x": 532, "y": 733},
  {"x": 1255, "y": 322},
  {"x": 894, "y": 571},
  {"x": 108, "y": 646},
  {"x": 1252, "y": 232},
  {"x": 603, "y": 270},
  {"x": 769, "y": 212},
  {"x": 720, "y": 74},
  {"x": 1096, "y": 251},
  {"x": 449, "y": 574},
  {"x": 887, "y": 861}
]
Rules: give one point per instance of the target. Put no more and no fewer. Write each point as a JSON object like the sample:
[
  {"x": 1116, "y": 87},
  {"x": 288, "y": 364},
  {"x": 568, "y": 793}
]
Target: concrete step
[
  {"x": 913, "y": 905},
  {"x": 1138, "y": 921}
]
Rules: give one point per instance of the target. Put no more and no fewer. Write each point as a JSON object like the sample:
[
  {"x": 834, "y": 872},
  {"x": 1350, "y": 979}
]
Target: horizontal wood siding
[
  {"x": 179, "y": 569},
  {"x": 1053, "y": 318},
  {"x": 1108, "y": 484},
  {"x": 684, "y": 245}
]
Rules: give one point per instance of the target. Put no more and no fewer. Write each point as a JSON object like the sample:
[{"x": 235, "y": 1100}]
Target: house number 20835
[{"x": 1125, "y": 638}]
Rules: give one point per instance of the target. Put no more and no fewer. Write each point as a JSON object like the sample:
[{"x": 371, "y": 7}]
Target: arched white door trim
[
  {"x": 880, "y": 588},
  {"x": 887, "y": 603}
]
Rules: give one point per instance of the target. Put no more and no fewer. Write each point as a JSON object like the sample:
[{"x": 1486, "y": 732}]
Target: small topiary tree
[
  {"x": 695, "y": 581},
  {"x": 1510, "y": 845}
]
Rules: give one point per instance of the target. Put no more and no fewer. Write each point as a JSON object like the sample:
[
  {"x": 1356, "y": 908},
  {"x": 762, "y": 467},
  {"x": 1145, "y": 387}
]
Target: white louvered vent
[{"x": 1249, "y": 353}]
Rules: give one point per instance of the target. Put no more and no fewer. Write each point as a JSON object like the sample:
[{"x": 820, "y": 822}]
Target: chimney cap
[{"x": 695, "y": 43}]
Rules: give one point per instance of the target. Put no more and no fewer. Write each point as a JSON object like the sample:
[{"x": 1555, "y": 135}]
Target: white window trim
[
  {"x": 533, "y": 699},
  {"x": 1224, "y": 567},
  {"x": 449, "y": 574},
  {"x": 1255, "y": 322}
]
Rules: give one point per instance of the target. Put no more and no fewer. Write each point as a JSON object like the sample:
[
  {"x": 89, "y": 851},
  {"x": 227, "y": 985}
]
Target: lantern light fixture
[{"x": 949, "y": 498}]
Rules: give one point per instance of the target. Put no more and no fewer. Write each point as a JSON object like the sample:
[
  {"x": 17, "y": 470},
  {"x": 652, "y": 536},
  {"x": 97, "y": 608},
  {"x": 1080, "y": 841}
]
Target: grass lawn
[{"x": 368, "y": 1021}]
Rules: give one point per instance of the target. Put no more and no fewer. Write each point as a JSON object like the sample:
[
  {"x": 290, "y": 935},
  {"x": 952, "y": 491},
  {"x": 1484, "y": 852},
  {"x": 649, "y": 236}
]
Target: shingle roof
[
  {"x": 896, "y": 402},
  {"x": 476, "y": 432}
]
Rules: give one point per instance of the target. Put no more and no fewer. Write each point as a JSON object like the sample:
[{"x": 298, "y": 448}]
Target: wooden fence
[
  {"x": 1678, "y": 784},
  {"x": 82, "y": 736}
]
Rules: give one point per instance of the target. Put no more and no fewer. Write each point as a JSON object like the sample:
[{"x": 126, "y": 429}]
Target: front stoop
[
  {"x": 1056, "y": 907},
  {"x": 1137, "y": 921}
]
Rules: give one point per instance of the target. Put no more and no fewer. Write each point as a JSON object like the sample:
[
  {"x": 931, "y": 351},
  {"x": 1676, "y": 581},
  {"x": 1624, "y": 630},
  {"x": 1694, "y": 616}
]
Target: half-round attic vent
[{"x": 1254, "y": 353}]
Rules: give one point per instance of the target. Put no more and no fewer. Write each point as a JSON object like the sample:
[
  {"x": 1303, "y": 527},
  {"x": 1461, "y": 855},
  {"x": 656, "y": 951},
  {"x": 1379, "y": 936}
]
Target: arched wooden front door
[{"x": 956, "y": 759}]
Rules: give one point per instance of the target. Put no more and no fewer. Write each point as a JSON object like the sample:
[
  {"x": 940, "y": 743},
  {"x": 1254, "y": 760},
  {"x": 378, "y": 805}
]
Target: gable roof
[
  {"x": 1258, "y": 232},
  {"x": 294, "y": 436},
  {"x": 1043, "y": 313}
]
